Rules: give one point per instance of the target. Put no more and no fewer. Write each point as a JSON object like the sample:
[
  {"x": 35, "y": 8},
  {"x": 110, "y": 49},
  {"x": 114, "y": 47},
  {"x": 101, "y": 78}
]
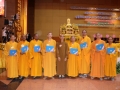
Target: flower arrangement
[{"x": 118, "y": 68}]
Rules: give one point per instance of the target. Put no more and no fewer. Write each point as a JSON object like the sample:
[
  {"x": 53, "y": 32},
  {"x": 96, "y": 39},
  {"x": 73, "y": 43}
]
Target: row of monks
[{"x": 59, "y": 61}]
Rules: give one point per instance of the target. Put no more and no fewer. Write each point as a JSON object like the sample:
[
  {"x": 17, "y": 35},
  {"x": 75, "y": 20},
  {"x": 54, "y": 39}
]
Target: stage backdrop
[{"x": 49, "y": 16}]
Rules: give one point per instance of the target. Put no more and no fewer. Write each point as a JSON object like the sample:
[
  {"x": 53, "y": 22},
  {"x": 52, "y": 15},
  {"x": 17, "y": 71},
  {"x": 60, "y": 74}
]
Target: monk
[
  {"x": 23, "y": 60},
  {"x": 118, "y": 48},
  {"x": 110, "y": 60},
  {"x": 49, "y": 61},
  {"x": 97, "y": 58},
  {"x": 11, "y": 58},
  {"x": 36, "y": 56},
  {"x": 84, "y": 65},
  {"x": 62, "y": 55},
  {"x": 73, "y": 57}
]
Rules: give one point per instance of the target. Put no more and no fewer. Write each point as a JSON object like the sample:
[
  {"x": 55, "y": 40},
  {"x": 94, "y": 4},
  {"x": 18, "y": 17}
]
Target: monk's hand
[
  {"x": 65, "y": 59},
  {"x": 39, "y": 51},
  {"x": 59, "y": 59},
  {"x": 52, "y": 51},
  {"x": 22, "y": 53},
  {"x": 77, "y": 54},
  {"x": 15, "y": 54}
]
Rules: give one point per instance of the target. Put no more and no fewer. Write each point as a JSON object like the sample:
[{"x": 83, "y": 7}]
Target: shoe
[
  {"x": 106, "y": 78},
  {"x": 85, "y": 75},
  {"x": 34, "y": 77},
  {"x": 45, "y": 78},
  {"x": 92, "y": 78},
  {"x": 20, "y": 77},
  {"x": 112, "y": 79},
  {"x": 60, "y": 76},
  {"x": 63, "y": 76},
  {"x": 53, "y": 78},
  {"x": 80, "y": 75},
  {"x": 101, "y": 79}
]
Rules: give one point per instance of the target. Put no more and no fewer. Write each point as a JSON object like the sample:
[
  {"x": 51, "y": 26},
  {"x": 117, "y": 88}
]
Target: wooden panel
[
  {"x": 30, "y": 16},
  {"x": 52, "y": 15},
  {"x": 89, "y": 2}
]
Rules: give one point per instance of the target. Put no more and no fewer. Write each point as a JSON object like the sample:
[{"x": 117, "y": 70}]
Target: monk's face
[
  {"x": 12, "y": 38},
  {"x": 61, "y": 37},
  {"x": 49, "y": 35},
  {"x": 23, "y": 37},
  {"x": 84, "y": 32},
  {"x": 98, "y": 35},
  {"x": 36, "y": 36},
  {"x": 72, "y": 39},
  {"x": 110, "y": 39}
]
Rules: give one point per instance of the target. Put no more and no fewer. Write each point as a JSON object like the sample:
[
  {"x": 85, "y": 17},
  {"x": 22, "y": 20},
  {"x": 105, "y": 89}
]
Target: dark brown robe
[{"x": 62, "y": 52}]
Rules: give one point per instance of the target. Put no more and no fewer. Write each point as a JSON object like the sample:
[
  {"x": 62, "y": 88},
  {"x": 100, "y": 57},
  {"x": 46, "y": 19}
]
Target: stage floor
[{"x": 57, "y": 84}]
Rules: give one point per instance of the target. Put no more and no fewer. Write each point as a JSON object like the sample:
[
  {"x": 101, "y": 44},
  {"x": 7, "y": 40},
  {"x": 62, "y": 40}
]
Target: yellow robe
[
  {"x": 49, "y": 63},
  {"x": 11, "y": 61},
  {"x": 72, "y": 64},
  {"x": 118, "y": 49},
  {"x": 84, "y": 64},
  {"x": 36, "y": 58},
  {"x": 110, "y": 61},
  {"x": 97, "y": 60},
  {"x": 23, "y": 60}
]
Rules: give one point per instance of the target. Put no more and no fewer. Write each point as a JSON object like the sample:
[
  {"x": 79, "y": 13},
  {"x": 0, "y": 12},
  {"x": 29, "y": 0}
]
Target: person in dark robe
[
  {"x": 28, "y": 37},
  {"x": 62, "y": 55}
]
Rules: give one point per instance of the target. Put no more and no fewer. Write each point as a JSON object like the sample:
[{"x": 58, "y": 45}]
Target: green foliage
[{"x": 118, "y": 68}]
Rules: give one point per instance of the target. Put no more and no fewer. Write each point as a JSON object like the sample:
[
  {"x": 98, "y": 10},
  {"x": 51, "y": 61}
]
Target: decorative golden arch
[{"x": 69, "y": 30}]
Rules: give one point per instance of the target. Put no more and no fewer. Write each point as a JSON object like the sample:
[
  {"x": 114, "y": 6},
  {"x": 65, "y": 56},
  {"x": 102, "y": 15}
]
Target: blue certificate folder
[
  {"x": 83, "y": 45},
  {"x": 99, "y": 47},
  {"x": 36, "y": 48},
  {"x": 12, "y": 52},
  {"x": 73, "y": 50},
  {"x": 110, "y": 50},
  {"x": 24, "y": 49},
  {"x": 49, "y": 48}
]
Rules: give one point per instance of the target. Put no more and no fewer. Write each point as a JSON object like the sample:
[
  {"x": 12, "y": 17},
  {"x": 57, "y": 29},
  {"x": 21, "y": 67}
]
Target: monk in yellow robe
[
  {"x": 111, "y": 59},
  {"x": 11, "y": 58},
  {"x": 97, "y": 58},
  {"x": 36, "y": 56},
  {"x": 84, "y": 65},
  {"x": 23, "y": 60},
  {"x": 73, "y": 57},
  {"x": 118, "y": 49},
  {"x": 49, "y": 61}
]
